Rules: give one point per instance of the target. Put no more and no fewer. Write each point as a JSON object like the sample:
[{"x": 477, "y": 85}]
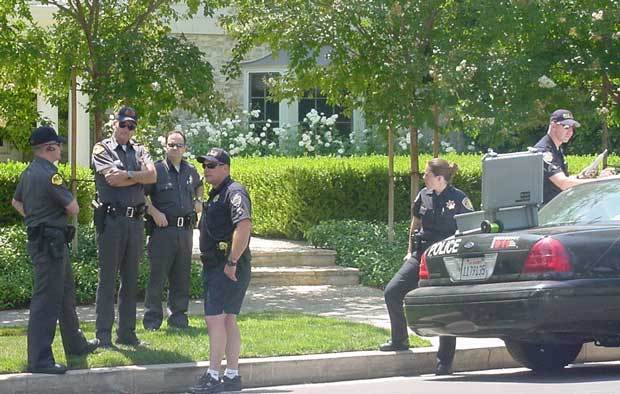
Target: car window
[{"x": 589, "y": 203}]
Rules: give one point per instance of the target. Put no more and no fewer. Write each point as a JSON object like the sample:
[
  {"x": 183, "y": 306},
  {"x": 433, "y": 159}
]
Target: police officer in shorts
[
  {"x": 122, "y": 167},
  {"x": 176, "y": 199},
  {"x": 46, "y": 204},
  {"x": 225, "y": 228},
  {"x": 433, "y": 220}
]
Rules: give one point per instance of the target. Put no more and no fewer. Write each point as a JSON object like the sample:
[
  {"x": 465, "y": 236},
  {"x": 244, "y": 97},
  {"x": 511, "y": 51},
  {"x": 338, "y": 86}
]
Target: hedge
[
  {"x": 290, "y": 195},
  {"x": 16, "y": 269}
]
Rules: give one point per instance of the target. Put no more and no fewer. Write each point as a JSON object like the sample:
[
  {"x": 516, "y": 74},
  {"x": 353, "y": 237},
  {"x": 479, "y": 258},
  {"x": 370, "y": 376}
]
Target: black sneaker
[
  {"x": 232, "y": 384},
  {"x": 207, "y": 384},
  {"x": 443, "y": 369}
]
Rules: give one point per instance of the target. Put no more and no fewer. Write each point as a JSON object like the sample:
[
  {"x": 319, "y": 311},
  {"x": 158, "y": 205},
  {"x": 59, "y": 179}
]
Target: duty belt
[
  {"x": 180, "y": 221},
  {"x": 120, "y": 210}
]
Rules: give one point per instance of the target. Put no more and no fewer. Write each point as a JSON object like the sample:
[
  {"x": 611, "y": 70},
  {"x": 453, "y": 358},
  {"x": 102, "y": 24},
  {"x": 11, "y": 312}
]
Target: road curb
[{"x": 260, "y": 372}]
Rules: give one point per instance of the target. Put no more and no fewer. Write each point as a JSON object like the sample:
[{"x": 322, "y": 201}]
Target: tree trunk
[
  {"x": 436, "y": 129},
  {"x": 415, "y": 165},
  {"x": 390, "y": 182},
  {"x": 98, "y": 125},
  {"x": 605, "y": 135}
]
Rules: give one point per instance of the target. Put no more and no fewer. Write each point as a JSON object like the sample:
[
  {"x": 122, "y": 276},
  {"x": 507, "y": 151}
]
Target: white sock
[
  {"x": 231, "y": 373},
  {"x": 215, "y": 374}
]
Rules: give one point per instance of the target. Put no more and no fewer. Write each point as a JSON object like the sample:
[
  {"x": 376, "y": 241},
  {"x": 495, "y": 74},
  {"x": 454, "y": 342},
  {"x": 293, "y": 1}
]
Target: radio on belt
[{"x": 512, "y": 191}]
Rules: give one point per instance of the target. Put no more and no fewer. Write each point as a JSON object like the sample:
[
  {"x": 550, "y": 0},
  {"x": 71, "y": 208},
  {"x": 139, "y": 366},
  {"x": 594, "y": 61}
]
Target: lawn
[{"x": 264, "y": 334}]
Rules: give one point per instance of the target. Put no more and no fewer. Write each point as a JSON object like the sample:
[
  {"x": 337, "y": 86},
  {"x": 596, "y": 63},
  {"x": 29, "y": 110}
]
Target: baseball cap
[
  {"x": 564, "y": 117},
  {"x": 215, "y": 155},
  {"x": 127, "y": 113},
  {"x": 45, "y": 134}
]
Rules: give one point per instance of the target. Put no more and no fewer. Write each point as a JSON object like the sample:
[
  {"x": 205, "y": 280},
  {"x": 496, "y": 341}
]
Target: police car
[{"x": 545, "y": 290}]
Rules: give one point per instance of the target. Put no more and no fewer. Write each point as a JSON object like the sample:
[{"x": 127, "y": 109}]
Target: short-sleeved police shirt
[
  {"x": 107, "y": 155},
  {"x": 44, "y": 195},
  {"x": 175, "y": 191},
  {"x": 228, "y": 204},
  {"x": 553, "y": 163},
  {"x": 436, "y": 211}
]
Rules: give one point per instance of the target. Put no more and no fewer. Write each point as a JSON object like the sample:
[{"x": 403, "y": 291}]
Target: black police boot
[
  {"x": 443, "y": 369},
  {"x": 54, "y": 369},
  {"x": 130, "y": 339},
  {"x": 390, "y": 346},
  {"x": 88, "y": 348}
]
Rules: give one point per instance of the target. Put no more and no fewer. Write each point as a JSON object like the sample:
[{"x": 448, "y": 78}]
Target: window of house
[
  {"x": 259, "y": 99},
  {"x": 313, "y": 99}
]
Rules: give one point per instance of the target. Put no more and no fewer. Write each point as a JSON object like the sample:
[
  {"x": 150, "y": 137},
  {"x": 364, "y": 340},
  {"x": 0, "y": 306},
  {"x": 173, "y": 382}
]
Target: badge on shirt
[
  {"x": 467, "y": 204},
  {"x": 190, "y": 180},
  {"x": 216, "y": 198},
  {"x": 450, "y": 204},
  {"x": 56, "y": 179},
  {"x": 548, "y": 157}
]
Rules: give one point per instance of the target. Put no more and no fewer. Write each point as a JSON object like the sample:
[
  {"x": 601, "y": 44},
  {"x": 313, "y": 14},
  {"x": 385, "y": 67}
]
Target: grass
[{"x": 263, "y": 334}]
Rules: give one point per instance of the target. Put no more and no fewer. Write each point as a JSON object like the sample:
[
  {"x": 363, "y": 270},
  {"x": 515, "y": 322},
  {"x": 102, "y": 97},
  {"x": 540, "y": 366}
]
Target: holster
[
  {"x": 99, "y": 215},
  {"x": 149, "y": 224},
  {"x": 216, "y": 255},
  {"x": 418, "y": 243}
]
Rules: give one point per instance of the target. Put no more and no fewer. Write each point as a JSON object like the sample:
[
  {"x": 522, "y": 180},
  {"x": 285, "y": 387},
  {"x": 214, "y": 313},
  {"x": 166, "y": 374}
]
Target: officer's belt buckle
[
  {"x": 223, "y": 246},
  {"x": 130, "y": 212},
  {"x": 180, "y": 221}
]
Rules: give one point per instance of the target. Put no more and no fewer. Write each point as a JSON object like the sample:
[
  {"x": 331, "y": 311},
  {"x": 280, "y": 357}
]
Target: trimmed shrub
[
  {"x": 16, "y": 277},
  {"x": 9, "y": 177},
  {"x": 364, "y": 245}
]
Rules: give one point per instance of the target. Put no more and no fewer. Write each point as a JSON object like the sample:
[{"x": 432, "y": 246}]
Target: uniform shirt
[
  {"x": 436, "y": 211},
  {"x": 227, "y": 205},
  {"x": 553, "y": 163},
  {"x": 43, "y": 194},
  {"x": 108, "y": 154},
  {"x": 174, "y": 192}
]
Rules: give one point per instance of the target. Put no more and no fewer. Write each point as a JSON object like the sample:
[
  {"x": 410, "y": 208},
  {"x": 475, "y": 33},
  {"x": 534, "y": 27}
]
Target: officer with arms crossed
[
  {"x": 46, "y": 204},
  {"x": 176, "y": 199},
  {"x": 433, "y": 220},
  {"x": 121, "y": 168},
  {"x": 225, "y": 228},
  {"x": 556, "y": 179}
]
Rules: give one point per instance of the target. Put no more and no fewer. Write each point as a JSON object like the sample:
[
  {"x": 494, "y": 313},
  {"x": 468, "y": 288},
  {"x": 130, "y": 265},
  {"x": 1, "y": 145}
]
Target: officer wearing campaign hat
[
  {"x": 122, "y": 167},
  {"x": 46, "y": 204},
  {"x": 225, "y": 228},
  {"x": 562, "y": 125}
]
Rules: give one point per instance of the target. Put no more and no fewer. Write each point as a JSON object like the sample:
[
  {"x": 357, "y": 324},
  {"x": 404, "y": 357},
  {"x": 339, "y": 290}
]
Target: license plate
[{"x": 473, "y": 268}]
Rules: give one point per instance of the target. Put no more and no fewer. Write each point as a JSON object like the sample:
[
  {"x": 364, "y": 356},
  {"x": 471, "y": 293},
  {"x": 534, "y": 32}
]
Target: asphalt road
[{"x": 595, "y": 378}]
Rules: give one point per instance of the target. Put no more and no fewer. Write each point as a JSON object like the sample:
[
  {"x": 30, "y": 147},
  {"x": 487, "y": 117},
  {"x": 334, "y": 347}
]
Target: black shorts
[{"x": 223, "y": 295}]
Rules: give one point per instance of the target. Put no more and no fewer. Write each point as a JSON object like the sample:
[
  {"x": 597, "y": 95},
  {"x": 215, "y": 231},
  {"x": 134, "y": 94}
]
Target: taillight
[
  {"x": 423, "y": 267},
  {"x": 547, "y": 255}
]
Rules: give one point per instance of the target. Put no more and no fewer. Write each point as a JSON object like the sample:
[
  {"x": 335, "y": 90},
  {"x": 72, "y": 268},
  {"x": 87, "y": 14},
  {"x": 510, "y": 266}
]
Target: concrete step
[
  {"x": 290, "y": 258},
  {"x": 304, "y": 276}
]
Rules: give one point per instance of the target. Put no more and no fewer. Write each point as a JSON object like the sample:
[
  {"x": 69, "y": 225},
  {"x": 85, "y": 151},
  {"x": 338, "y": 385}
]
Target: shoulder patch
[
  {"x": 98, "y": 149},
  {"x": 236, "y": 200},
  {"x": 467, "y": 203},
  {"x": 56, "y": 179},
  {"x": 548, "y": 157}
]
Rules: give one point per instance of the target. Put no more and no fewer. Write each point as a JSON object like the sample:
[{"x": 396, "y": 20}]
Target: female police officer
[{"x": 433, "y": 220}]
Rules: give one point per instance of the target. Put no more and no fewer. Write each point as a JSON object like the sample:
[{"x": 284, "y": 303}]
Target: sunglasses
[
  {"x": 128, "y": 125},
  {"x": 173, "y": 145},
  {"x": 211, "y": 165}
]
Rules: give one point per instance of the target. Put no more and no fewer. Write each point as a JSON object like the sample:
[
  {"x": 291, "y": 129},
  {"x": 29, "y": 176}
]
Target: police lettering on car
[{"x": 433, "y": 221}]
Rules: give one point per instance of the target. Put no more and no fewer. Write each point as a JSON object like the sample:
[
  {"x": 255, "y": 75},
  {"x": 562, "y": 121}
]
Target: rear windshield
[{"x": 589, "y": 203}]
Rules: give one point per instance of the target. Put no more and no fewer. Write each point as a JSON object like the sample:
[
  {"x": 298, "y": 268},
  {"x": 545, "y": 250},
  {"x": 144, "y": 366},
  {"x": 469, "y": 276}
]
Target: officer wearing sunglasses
[
  {"x": 175, "y": 200},
  {"x": 122, "y": 168},
  {"x": 225, "y": 227}
]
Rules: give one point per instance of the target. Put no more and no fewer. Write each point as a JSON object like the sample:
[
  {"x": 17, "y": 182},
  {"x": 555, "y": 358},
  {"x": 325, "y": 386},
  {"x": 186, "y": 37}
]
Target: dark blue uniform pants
[
  {"x": 170, "y": 256},
  {"x": 53, "y": 300},
  {"x": 120, "y": 247},
  {"x": 405, "y": 280}
]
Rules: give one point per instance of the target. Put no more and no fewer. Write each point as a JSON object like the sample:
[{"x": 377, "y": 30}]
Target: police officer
[
  {"x": 176, "y": 198},
  {"x": 433, "y": 220},
  {"x": 556, "y": 179},
  {"x": 225, "y": 228},
  {"x": 46, "y": 203},
  {"x": 121, "y": 167}
]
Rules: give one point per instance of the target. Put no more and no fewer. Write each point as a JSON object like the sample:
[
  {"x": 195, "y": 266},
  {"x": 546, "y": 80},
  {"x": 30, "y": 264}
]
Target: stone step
[
  {"x": 304, "y": 276},
  {"x": 290, "y": 258}
]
